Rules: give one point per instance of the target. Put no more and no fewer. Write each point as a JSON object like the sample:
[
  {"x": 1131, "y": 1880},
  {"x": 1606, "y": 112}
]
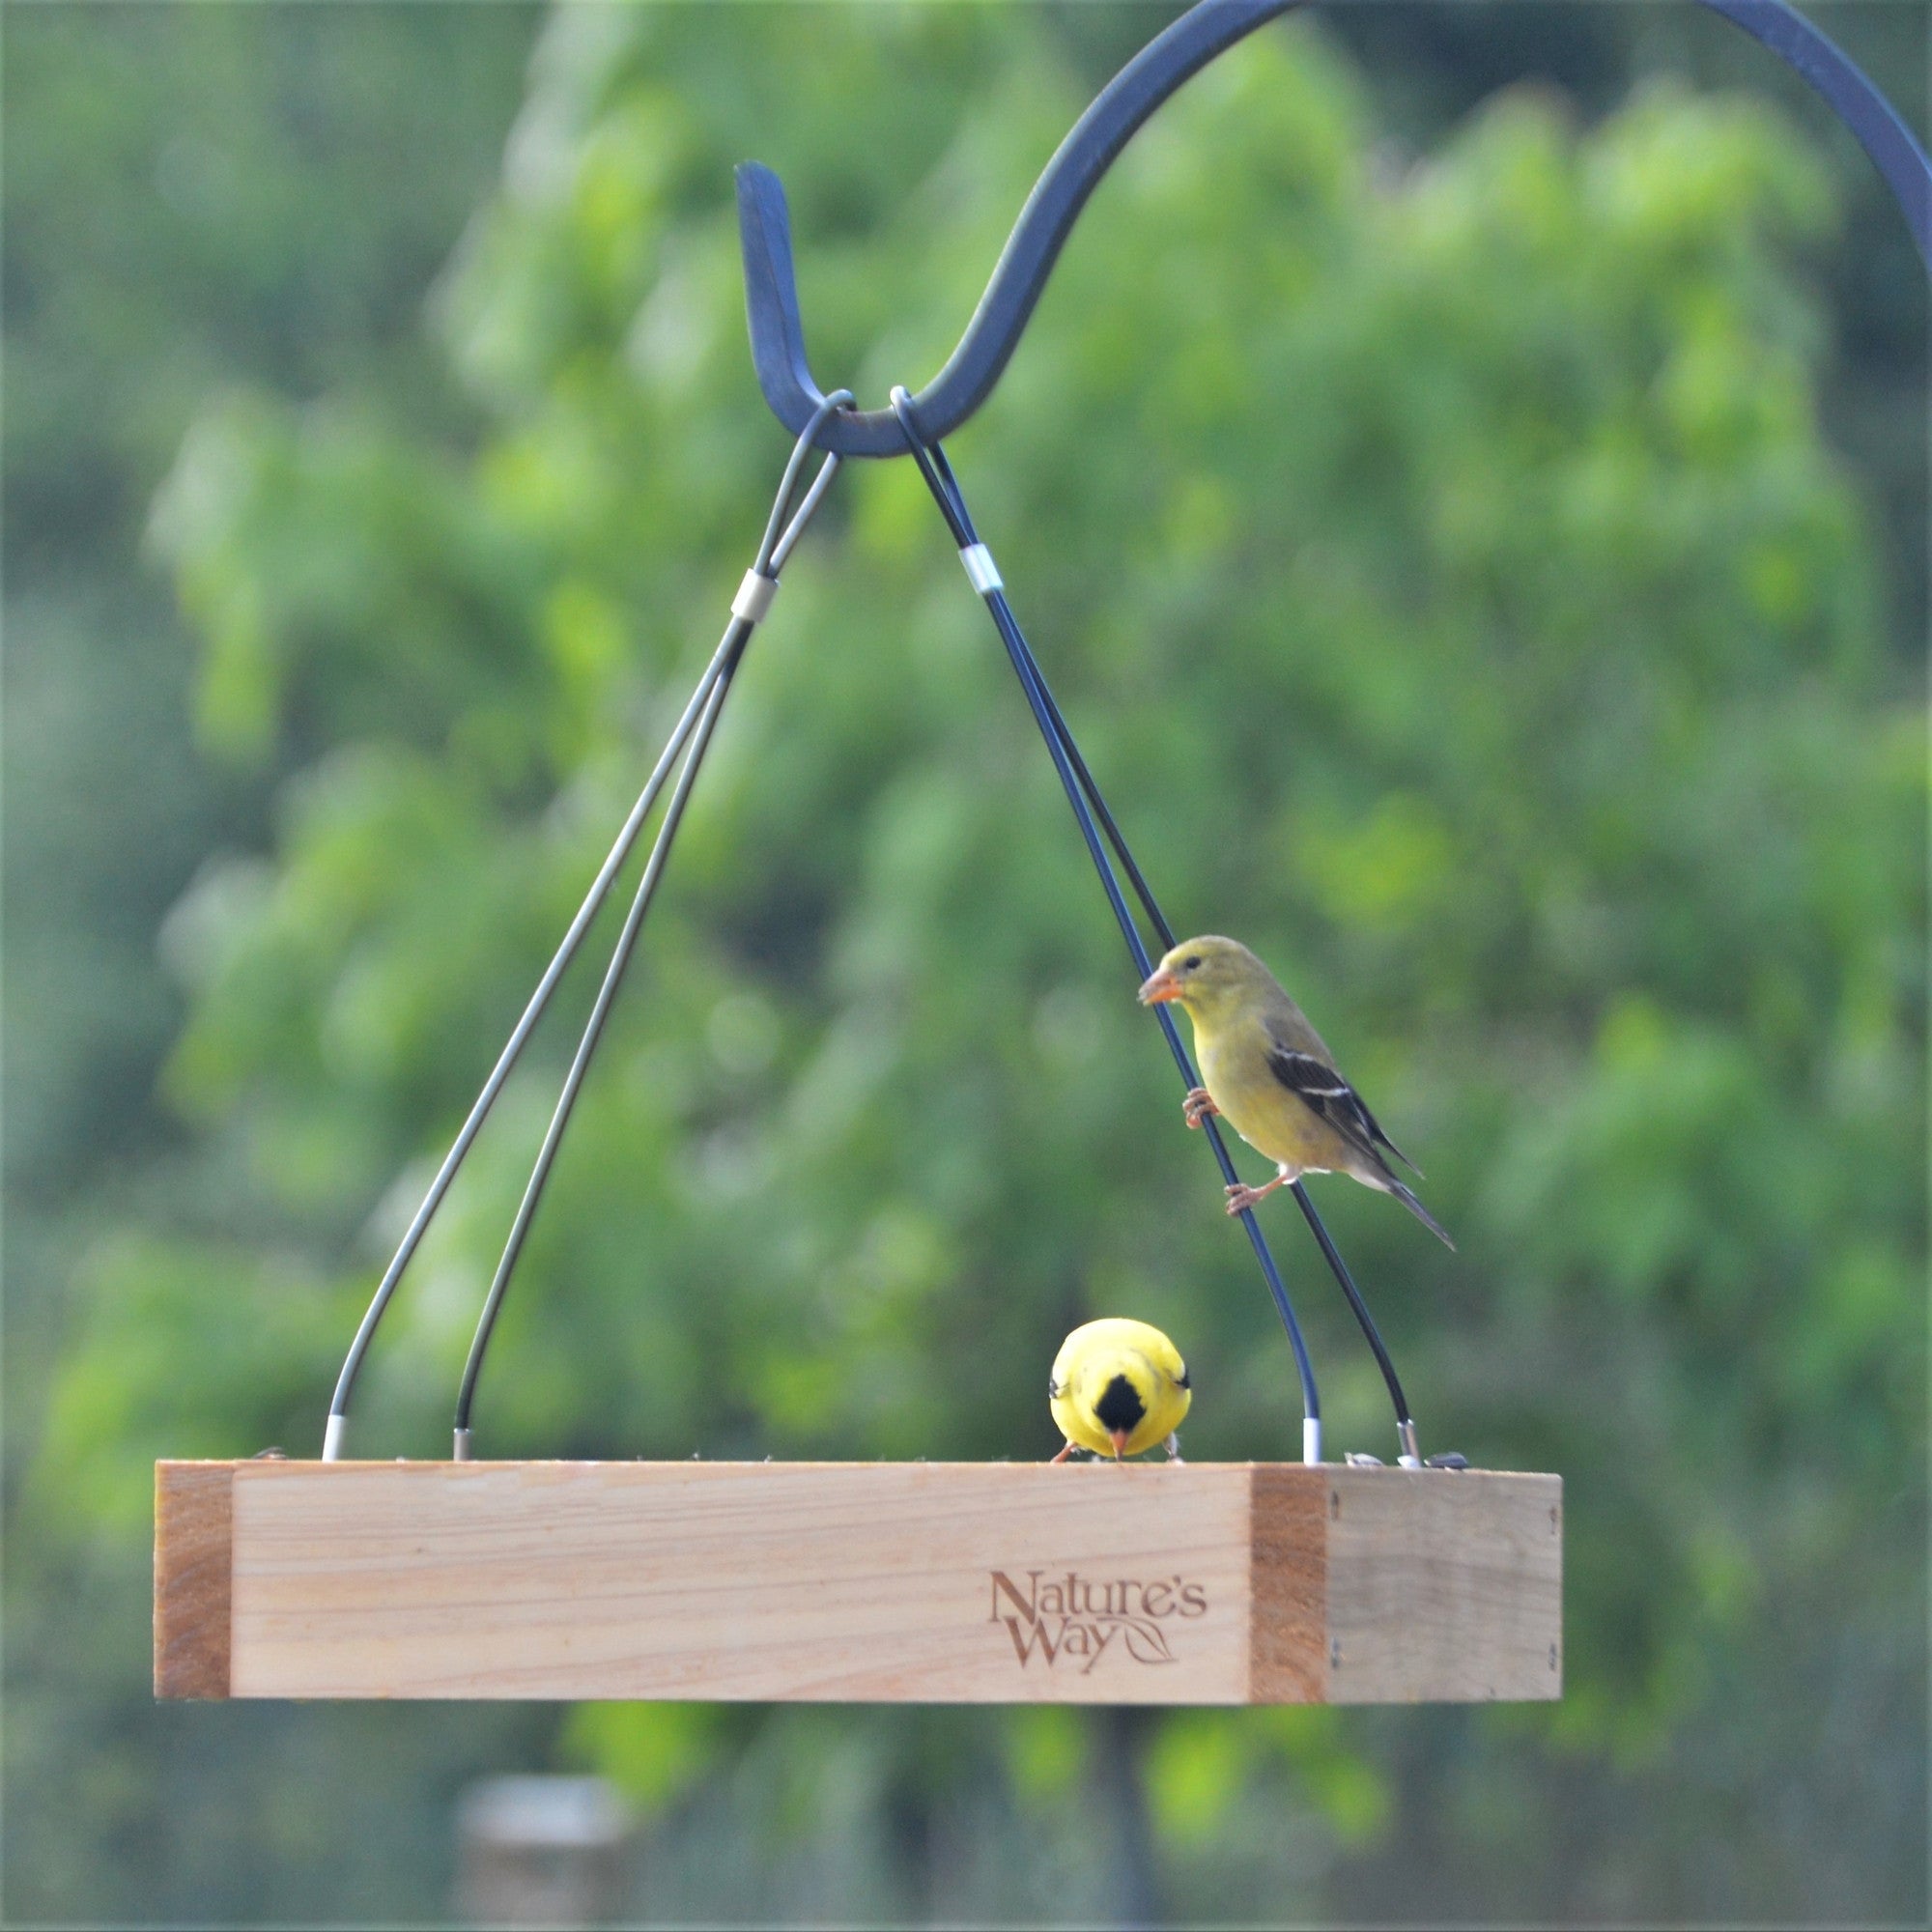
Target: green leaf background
[{"x": 1444, "y": 564}]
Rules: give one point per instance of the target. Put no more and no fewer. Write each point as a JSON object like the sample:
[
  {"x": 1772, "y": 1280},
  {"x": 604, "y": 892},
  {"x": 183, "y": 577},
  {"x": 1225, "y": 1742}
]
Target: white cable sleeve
[
  {"x": 755, "y": 597},
  {"x": 981, "y": 572}
]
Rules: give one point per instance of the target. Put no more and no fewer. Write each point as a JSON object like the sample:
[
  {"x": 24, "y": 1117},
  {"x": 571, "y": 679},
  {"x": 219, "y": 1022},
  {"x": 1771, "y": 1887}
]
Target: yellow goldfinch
[
  {"x": 1118, "y": 1387},
  {"x": 1269, "y": 1077}
]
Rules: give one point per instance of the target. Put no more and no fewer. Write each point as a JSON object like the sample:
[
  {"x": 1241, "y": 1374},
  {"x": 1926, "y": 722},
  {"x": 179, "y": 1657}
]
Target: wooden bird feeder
[
  {"x": 868, "y": 1582},
  {"x": 1202, "y": 1583}
]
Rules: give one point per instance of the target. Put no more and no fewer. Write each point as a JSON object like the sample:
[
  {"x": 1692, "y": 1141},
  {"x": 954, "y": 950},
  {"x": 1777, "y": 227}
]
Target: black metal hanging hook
[{"x": 1083, "y": 158}]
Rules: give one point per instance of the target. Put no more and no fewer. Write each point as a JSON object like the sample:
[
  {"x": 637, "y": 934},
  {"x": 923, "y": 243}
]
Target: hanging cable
[
  {"x": 1404, "y": 1422},
  {"x": 754, "y": 600},
  {"x": 579, "y": 1064},
  {"x": 351, "y": 1367},
  {"x": 773, "y": 549},
  {"x": 1406, "y": 1426},
  {"x": 986, "y": 579}
]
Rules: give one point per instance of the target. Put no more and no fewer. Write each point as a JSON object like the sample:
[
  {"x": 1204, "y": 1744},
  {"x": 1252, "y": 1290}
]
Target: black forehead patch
[{"x": 1119, "y": 1405}]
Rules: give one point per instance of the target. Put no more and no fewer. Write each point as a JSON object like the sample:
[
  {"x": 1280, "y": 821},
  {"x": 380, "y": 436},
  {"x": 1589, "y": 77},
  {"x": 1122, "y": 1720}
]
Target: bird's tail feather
[
  {"x": 1407, "y": 1197},
  {"x": 1402, "y": 1157}
]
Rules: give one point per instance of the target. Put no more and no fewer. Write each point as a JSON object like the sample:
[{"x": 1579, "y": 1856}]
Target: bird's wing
[{"x": 1324, "y": 1092}]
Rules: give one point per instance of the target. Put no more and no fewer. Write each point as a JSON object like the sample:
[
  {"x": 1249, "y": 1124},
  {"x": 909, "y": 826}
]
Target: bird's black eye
[
  {"x": 1188, "y": 965},
  {"x": 1181, "y": 1382}
]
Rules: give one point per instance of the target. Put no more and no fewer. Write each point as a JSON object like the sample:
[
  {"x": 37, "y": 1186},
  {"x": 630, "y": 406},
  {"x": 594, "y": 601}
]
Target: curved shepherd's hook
[{"x": 1210, "y": 28}]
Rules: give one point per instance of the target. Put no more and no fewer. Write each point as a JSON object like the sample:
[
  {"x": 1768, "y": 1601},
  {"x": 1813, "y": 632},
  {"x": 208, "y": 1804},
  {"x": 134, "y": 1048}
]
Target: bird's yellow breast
[{"x": 1236, "y": 1071}]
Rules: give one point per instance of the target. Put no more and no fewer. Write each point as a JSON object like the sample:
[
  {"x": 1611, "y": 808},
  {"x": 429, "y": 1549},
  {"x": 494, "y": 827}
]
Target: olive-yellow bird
[
  {"x": 1118, "y": 1387},
  {"x": 1269, "y": 1075}
]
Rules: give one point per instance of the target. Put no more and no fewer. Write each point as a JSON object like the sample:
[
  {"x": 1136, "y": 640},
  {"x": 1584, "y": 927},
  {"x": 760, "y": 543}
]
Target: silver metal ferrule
[
  {"x": 461, "y": 1452},
  {"x": 981, "y": 572},
  {"x": 755, "y": 597},
  {"x": 332, "y": 1437},
  {"x": 1411, "y": 1456},
  {"x": 1311, "y": 1439}
]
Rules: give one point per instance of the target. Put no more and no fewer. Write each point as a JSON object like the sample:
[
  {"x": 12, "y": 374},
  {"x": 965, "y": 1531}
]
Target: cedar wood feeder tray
[
  {"x": 931, "y": 1583},
  {"x": 928, "y": 1583}
]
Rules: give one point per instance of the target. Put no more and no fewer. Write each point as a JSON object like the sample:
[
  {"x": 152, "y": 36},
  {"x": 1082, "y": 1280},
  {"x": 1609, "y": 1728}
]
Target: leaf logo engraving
[{"x": 1145, "y": 1641}]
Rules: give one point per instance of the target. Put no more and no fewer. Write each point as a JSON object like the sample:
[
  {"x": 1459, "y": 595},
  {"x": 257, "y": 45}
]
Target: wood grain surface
[
  {"x": 1202, "y": 1583},
  {"x": 192, "y": 1539},
  {"x": 1444, "y": 1587},
  {"x": 1287, "y": 1609}
]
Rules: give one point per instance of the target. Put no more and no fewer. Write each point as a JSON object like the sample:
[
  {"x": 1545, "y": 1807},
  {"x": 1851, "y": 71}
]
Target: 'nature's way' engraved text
[{"x": 1081, "y": 1618}]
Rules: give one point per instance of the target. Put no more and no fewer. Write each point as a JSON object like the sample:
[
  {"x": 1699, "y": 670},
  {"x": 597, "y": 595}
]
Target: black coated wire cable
[
  {"x": 593, "y": 899},
  {"x": 1078, "y": 784},
  {"x": 1405, "y": 1421},
  {"x": 773, "y": 549},
  {"x": 580, "y": 1064},
  {"x": 781, "y": 538}
]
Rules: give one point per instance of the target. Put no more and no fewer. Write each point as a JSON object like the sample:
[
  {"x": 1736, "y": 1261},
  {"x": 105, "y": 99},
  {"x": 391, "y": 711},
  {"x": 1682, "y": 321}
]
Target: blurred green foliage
[
  {"x": 197, "y": 199},
  {"x": 1447, "y": 576}
]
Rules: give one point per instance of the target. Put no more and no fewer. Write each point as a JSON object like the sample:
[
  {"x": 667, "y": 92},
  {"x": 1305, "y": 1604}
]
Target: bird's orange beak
[
  {"x": 1160, "y": 987},
  {"x": 1119, "y": 1439}
]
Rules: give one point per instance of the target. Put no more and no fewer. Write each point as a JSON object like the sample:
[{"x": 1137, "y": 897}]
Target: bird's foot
[
  {"x": 1063, "y": 1453},
  {"x": 1197, "y": 1106},
  {"x": 1241, "y": 1197},
  {"x": 1174, "y": 1454}
]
